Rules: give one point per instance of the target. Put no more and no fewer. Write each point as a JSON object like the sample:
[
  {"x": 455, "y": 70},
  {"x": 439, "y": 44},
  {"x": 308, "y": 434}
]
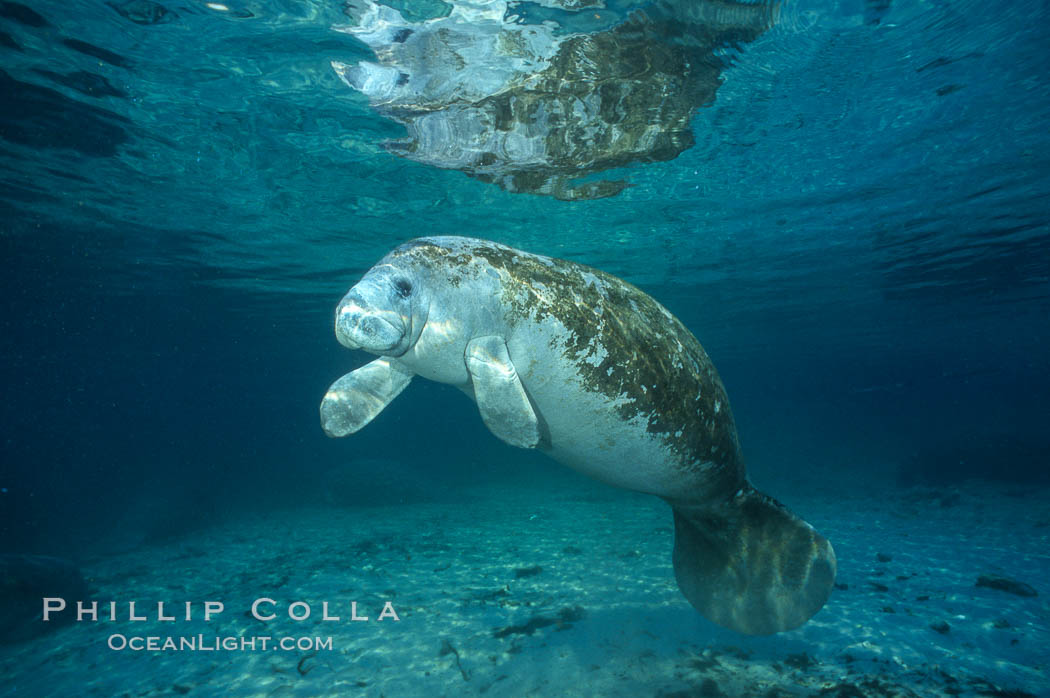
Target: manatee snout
[{"x": 359, "y": 326}]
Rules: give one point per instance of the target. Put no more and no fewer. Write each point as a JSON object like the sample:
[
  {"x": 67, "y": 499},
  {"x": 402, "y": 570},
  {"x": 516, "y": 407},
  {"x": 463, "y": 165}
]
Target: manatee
[{"x": 587, "y": 368}]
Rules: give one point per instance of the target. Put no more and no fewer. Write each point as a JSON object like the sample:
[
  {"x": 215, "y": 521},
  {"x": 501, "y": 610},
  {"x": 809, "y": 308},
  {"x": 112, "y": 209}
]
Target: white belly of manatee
[{"x": 586, "y": 433}]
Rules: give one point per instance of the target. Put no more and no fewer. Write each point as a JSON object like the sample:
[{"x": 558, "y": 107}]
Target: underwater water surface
[{"x": 846, "y": 202}]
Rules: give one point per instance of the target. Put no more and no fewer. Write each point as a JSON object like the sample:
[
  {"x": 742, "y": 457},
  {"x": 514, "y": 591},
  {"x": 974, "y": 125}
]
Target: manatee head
[{"x": 384, "y": 312}]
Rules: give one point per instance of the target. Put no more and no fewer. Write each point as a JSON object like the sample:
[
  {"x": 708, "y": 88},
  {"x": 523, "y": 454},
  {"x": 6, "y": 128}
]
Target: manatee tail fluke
[{"x": 751, "y": 565}]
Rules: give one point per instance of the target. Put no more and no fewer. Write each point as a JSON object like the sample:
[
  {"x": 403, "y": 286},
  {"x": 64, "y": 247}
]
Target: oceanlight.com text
[{"x": 215, "y": 643}]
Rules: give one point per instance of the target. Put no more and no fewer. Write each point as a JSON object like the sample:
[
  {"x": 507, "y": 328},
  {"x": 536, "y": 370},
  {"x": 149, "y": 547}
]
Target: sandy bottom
[{"x": 563, "y": 589}]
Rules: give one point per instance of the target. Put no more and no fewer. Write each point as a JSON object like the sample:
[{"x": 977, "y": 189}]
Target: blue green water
[{"x": 859, "y": 236}]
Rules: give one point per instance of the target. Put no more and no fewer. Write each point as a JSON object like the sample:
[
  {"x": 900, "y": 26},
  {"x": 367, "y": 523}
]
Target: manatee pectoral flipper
[
  {"x": 504, "y": 405},
  {"x": 355, "y": 399},
  {"x": 749, "y": 564}
]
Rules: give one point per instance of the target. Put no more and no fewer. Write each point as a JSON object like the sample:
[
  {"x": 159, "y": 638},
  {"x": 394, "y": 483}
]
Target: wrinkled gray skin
[
  {"x": 587, "y": 368},
  {"x": 532, "y": 109}
]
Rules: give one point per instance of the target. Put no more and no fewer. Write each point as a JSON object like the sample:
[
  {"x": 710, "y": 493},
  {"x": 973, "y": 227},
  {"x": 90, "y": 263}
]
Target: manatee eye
[{"x": 404, "y": 287}]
